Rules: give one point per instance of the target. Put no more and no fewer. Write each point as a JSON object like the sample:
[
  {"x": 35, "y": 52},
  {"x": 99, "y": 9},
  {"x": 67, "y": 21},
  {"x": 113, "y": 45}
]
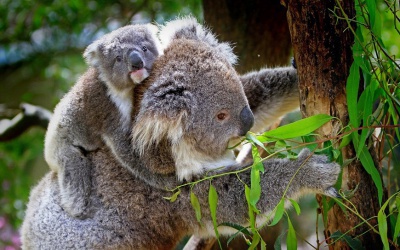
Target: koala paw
[
  {"x": 75, "y": 206},
  {"x": 320, "y": 173}
]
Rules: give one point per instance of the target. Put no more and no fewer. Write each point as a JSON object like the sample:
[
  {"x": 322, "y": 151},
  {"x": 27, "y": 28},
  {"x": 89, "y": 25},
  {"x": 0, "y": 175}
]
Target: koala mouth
[{"x": 138, "y": 75}]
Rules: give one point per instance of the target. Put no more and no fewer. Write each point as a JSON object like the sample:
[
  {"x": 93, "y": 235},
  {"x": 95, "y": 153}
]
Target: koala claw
[
  {"x": 332, "y": 192},
  {"x": 76, "y": 208}
]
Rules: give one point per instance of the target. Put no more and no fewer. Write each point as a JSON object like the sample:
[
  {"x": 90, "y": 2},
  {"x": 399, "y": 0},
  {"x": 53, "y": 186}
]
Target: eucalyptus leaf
[
  {"x": 352, "y": 94},
  {"x": 196, "y": 206},
  {"x": 296, "y": 129},
  {"x": 291, "y": 239},
  {"x": 382, "y": 225},
  {"x": 280, "y": 209},
  {"x": 212, "y": 203}
]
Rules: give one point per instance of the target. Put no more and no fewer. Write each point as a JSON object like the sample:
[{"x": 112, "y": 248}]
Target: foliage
[
  {"x": 302, "y": 130},
  {"x": 17, "y": 158},
  {"x": 28, "y": 28}
]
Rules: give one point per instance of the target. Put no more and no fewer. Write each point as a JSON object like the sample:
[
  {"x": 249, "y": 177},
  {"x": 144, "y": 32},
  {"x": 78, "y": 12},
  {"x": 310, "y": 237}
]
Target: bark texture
[
  {"x": 322, "y": 50},
  {"x": 257, "y": 28}
]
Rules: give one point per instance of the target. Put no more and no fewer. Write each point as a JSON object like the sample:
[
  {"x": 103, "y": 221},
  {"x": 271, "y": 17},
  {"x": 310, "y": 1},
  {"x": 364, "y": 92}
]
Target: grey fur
[
  {"x": 189, "y": 86},
  {"x": 97, "y": 111}
]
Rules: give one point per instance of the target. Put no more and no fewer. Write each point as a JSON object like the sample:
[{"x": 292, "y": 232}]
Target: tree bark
[
  {"x": 257, "y": 28},
  {"x": 322, "y": 50}
]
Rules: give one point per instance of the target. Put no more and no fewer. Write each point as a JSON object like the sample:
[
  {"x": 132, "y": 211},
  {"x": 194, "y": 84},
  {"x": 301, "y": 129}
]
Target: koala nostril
[
  {"x": 136, "y": 60},
  {"x": 247, "y": 119}
]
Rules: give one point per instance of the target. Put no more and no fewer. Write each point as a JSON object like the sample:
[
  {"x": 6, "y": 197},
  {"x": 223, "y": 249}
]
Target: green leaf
[
  {"x": 367, "y": 112},
  {"x": 397, "y": 227},
  {"x": 255, "y": 190},
  {"x": 382, "y": 225},
  {"x": 238, "y": 227},
  {"x": 296, "y": 206},
  {"x": 369, "y": 166},
  {"x": 250, "y": 137},
  {"x": 263, "y": 245},
  {"x": 258, "y": 165},
  {"x": 374, "y": 18},
  {"x": 296, "y": 129},
  {"x": 212, "y": 203},
  {"x": 345, "y": 140},
  {"x": 196, "y": 206},
  {"x": 278, "y": 242},
  {"x": 280, "y": 209},
  {"x": 174, "y": 196},
  {"x": 352, "y": 94},
  {"x": 358, "y": 51},
  {"x": 252, "y": 219},
  {"x": 353, "y": 243},
  {"x": 291, "y": 239},
  {"x": 254, "y": 242}
]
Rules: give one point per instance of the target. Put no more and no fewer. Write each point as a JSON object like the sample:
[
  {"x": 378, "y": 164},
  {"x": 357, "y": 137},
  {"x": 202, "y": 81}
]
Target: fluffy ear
[
  {"x": 154, "y": 32},
  {"x": 189, "y": 28},
  {"x": 163, "y": 112},
  {"x": 91, "y": 53}
]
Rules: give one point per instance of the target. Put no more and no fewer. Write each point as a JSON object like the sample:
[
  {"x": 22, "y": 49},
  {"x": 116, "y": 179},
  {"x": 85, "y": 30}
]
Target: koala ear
[
  {"x": 91, "y": 53},
  {"x": 189, "y": 28},
  {"x": 163, "y": 112},
  {"x": 154, "y": 32}
]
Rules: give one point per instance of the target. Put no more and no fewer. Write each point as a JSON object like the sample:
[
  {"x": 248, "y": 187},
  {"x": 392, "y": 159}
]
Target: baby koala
[{"x": 96, "y": 112}]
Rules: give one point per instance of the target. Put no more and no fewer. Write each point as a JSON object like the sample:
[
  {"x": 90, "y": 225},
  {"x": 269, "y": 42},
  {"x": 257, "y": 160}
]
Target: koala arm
[
  {"x": 119, "y": 140},
  {"x": 271, "y": 93},
  {"x": 309, "y": 173}
]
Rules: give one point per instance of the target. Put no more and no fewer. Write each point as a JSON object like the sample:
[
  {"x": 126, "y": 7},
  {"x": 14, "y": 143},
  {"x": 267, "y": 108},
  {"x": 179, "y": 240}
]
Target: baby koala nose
[
  {"x": 247, "y": 119},
  {"x": 135, "y": 60}
]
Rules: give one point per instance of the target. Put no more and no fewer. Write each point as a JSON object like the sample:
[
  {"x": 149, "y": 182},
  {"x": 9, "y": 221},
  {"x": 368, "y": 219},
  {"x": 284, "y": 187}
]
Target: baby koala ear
[
  {"x": 189, "y": 28},
  {"x": 91, "y": 54}
]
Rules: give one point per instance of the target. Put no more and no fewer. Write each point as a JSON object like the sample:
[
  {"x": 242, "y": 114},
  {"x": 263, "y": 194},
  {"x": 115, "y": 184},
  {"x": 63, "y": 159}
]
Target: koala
[
  {"x": 96, "y": 112},
  {"x": 192, "y": 106}
]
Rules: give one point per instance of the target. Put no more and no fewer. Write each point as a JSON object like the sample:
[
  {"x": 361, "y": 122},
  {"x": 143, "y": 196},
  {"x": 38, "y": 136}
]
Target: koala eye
[
  {"x": 144, "y": 48},
  {"x": 118, "y": 58},
  {"x": 222, "y": 116}
]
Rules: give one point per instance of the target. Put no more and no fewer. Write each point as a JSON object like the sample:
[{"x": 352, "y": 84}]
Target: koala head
[
  {"x": 125, "y": 56},
  {"x": 195, "y": 101}
]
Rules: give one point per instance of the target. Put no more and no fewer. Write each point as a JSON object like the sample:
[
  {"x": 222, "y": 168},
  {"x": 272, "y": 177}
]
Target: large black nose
[
  {"x": 247, "y": 119},
  {"x": 135, "y": 60}
]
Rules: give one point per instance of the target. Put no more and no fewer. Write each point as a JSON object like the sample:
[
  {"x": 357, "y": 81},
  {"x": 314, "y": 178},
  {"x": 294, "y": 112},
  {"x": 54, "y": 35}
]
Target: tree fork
[{"x": 322, "y": 50}]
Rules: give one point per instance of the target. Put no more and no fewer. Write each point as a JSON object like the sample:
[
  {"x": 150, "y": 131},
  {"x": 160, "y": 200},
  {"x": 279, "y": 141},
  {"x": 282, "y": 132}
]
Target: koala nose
[
  {"x": 247, "y": 119},
  {"x": 136, "y": 60}
]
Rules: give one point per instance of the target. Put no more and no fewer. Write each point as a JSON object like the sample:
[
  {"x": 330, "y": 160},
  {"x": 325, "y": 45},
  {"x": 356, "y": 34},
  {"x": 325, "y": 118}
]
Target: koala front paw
[
  {"x": 319, "y": 173},
  {"x": 74, "y": 206}
]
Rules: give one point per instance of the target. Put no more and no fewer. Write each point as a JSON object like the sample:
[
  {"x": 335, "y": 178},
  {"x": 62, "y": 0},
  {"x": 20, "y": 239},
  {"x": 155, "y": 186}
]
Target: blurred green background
[{"x": 41, "y": 44}]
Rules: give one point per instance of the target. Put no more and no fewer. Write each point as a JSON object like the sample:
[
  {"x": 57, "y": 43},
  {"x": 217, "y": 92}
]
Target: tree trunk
[
  {"x": 322, "y": 50},
  {"x": 257, "y": 28}
]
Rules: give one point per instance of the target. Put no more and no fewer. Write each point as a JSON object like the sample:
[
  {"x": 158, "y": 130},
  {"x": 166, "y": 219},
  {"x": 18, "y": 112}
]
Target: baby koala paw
[{"x": 319, "y": 173}]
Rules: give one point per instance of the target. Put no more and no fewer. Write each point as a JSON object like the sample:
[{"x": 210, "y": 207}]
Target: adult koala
[{"x": 193, "y": 106}]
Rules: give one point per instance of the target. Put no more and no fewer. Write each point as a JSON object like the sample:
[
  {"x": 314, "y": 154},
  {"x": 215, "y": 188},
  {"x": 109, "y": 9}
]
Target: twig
[{"x": 30, "y": 116}]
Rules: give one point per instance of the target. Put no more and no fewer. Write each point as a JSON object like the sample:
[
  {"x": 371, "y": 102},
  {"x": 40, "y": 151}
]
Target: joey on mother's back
[{"x": 97, "y": 111}]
